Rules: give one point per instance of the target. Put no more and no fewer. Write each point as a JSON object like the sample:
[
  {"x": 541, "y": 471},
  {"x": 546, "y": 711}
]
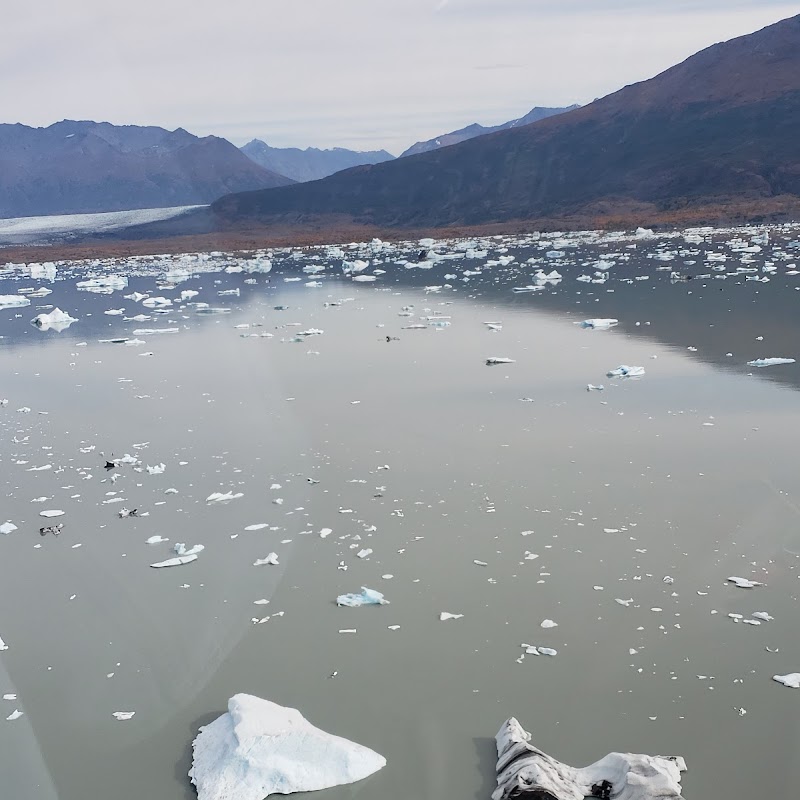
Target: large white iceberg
[{"x": 259, "y": 748}]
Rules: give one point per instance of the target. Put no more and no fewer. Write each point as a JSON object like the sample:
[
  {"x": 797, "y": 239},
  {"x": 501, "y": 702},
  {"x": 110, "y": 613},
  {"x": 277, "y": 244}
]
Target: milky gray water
[{"x": 415, "y": 449}]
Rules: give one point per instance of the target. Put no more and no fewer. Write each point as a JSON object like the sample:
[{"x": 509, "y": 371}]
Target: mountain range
[
  {"x": 75, "y": 167},
  {"x": 310, "y": 164},
  {"x": 475, "y": 130},
  {"x": 716, "y": 131}
]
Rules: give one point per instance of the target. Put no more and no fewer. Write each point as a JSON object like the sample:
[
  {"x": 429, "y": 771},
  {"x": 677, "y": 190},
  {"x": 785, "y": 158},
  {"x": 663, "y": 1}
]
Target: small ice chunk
[
  {"x": 7, "y": 527},
  {"x": 367, "y": 597},
  {"x": 744, "y": 583},
  {"x": 223, "y": 497},
  {"x": 123, "y": 715},
  {"x": 175, "y": 562},
  {"x": 367, "y": 551},
  {"x": 156, "y": 540},
  {"x": 56, "y": 320},
  {"x": 598, "y": 324},
  {"x": 51, "y": 513},
  {"x": 762, "y": 615},
  {"x": 548, "y": 623},
  {"x": 624, "y": 371},
  {"x": 16, "y": 714},
  {"x": 445, "y": 615},
  {"x": 158, "y": 469},
  {"x": 257, "y": 527},
  {"x": 272, "y": 559}
]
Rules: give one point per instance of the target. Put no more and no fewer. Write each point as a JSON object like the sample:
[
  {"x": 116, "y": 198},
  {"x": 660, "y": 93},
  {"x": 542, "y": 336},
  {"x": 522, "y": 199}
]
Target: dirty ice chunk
[
  {"x": 548, "y": 623},
  {"x": 175, "y": 562},
  {"x": 259, "y": 748},
  {"x": 123, "y": 715},
  {"x": 367, "y": 597},
  {"x": 598, "y": 324},
  {"x": 744, "y": 583},
  {"x": 445, "y": 615},
  {"x": 7, "y": 527},
  {"x": 51, "y": 513},
  {"x": 14, "y": 715},
  {"x": 792, "y": 680},
  {"x": 494, "y": 360},
  {"x": 624, "y": 371},
  {"x": 525, "y": 771},
  {"x": 56, "y": 320},
  {"x": 770, "y": 362},
  {"x": 272, "y": 558}
]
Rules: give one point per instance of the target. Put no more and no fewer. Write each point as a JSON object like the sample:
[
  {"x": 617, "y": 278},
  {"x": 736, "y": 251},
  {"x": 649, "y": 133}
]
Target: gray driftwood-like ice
[
  {"x": 524, "y": 771},
  {"x": 259, "y": 748}
]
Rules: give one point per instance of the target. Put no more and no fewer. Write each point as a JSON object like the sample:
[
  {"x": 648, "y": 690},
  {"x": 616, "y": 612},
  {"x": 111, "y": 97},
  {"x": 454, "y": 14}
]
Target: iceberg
[
  {"x": 259, "y": 748},
  {"x": 624, "y": 371},
  {"x": 770, "y": 362},
  {"x": 56, "y": 320},
  {"x": 367, "y": 597},
  {"x": 792, "y": 680},
  {"x": 525, "y": 771},
  {"x": 494, "y": 360}
]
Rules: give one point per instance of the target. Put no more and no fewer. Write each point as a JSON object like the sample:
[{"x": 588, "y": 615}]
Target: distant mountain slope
[
  {"x": 721, "y": 127},
  {"x": 310, "y": 164},
  {"x": 475, "y": 130},
  {"x": 81, "y": 167}
]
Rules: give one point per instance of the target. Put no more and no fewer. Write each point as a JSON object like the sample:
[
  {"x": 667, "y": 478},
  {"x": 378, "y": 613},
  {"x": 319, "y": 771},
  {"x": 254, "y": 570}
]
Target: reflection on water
[{"x": 573, "y": 500}]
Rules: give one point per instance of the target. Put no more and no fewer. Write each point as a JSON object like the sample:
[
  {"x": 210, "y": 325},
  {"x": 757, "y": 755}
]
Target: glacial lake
[{"x": 367, "y": 407}]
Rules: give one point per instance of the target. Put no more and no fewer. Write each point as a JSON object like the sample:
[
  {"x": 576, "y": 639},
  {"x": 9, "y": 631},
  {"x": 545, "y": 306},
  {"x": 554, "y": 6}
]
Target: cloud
[{"x": 363, "y": 73}]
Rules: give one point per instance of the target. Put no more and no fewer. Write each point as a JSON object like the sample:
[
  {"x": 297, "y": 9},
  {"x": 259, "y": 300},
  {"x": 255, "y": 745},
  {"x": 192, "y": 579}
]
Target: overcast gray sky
[{"x": 355, "y": 73}]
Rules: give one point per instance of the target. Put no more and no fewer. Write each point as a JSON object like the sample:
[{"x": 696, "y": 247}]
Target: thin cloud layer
[{"x": 358, "y": 73}]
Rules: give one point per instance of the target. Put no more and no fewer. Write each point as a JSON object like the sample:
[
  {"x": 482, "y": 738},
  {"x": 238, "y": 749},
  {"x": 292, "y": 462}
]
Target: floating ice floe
[
  {"x": 367, "y": 597},
  {"x": 123, "y": 715},
  {"x": 770, "y": 362},
  {"x": 624, "y": 371},
  {"x": 548, "y": 623},
  {"x": 158, "y": 469},
  {"x": 259, "y": 748},
  {"x": 792, "y": 680},
  {"x": 744, "y": 583},
  {"x": 179, "y": 561},
  {"x": 57, "y": 320},
  {"x": 3, "y": 645},
  {"x": 272, "y": 559},
  {"x": 7, "y": 527},
  {"x": 16, "y": 714},
  {"x": 223, "y": 497},
  {"x": 525, "y": 771},
  {"x": 445, "y": 615},
  {"x": 13, "y": 301},
  {"x": 52, "y": 513},
  {"x": 598, "y": 324}
]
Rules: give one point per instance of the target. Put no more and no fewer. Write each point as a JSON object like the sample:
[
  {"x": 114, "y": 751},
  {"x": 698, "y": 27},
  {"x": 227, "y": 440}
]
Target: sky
[{"x": 364, "y": 74}]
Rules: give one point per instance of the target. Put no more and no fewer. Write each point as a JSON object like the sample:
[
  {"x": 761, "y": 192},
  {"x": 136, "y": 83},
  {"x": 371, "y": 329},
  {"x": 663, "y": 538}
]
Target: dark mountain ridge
[
  {"x": 721, "y": 127},
  {"x": 76, "y": 167}
]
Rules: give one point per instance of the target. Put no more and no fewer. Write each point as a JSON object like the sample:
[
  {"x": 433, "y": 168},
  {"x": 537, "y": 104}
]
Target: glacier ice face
[{"x": 259, "y": 748}]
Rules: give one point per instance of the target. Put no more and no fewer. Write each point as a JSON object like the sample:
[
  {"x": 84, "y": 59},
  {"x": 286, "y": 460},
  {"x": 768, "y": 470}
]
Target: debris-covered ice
[
  {"x": 525, "y": 771},
  {"x": 259, "y": 748}
]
